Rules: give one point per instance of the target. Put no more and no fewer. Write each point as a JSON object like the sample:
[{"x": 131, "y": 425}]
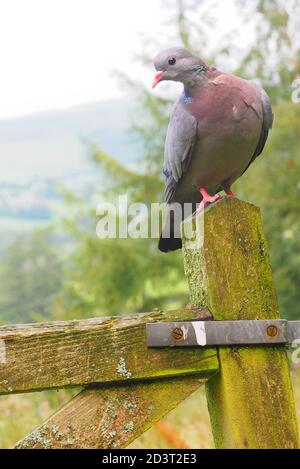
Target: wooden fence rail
[
  {"x": 99, "y": 350},
  {"x": 128, "y": 387}
]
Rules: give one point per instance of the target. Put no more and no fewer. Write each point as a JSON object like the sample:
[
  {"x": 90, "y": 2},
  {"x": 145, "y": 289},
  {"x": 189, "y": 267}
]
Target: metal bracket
[{"x": 204, "y": 333}]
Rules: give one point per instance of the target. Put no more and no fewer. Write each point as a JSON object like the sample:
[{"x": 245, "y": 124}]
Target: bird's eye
[{"x": 172, "y": 61}]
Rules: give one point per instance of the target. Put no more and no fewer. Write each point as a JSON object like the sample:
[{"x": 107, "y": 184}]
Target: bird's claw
[
  {"x": 208, "y": 199},
  {"x": 230, "y": 194}
]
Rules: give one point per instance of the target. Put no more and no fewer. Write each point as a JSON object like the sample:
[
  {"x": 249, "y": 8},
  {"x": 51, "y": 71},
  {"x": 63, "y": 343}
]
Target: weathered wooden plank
[
  {"x": 251, "y": 400},
  {"x": 99, "y": 350},
  {"x": 112, "y": 416}
]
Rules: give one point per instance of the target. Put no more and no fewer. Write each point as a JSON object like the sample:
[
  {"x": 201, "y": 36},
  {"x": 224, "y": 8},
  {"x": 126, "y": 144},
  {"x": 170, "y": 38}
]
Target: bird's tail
[
  {"x": 170, "y": 239},
  {"x": 169, "y": 244}
]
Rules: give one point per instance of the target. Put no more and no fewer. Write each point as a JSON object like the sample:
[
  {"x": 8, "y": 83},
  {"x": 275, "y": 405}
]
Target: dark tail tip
[{"x": 169, "y": 244}]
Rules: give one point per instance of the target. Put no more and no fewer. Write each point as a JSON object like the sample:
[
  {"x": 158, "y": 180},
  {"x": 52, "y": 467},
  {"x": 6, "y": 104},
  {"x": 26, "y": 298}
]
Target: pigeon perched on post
[{"x": 219, "y": 125}]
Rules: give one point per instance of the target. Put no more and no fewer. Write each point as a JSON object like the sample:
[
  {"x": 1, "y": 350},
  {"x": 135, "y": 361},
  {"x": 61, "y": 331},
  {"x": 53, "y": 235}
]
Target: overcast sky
[{"x": 59, "y": 53}]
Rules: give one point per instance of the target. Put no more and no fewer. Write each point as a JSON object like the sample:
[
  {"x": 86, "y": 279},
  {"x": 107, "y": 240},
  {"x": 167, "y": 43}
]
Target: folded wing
[
  {"x": 179, "y": 145},
  {"x": 267, "y": 122}
]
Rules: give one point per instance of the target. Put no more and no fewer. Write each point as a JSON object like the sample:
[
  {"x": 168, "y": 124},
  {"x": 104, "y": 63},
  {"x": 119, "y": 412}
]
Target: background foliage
[
  {"x": 104, "y": 277},
  {"x": 131, "y": 273}
]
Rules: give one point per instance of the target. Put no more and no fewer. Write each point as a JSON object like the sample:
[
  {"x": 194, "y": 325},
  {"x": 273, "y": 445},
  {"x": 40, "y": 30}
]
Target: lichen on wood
[
  {"x": 110, "y": 416},
  {"x": 98, "y": 350},
  {"x": 251, "y": 400}
]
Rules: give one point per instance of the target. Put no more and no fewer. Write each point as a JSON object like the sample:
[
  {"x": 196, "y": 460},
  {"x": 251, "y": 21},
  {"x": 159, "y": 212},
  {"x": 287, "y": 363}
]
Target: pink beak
[{"x": 157, "y": 78}]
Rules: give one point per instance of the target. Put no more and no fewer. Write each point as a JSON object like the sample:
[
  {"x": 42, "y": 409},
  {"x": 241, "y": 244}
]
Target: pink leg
[
  {"x": 229, "y": 192},
  {"x": 206, "y": 199}
]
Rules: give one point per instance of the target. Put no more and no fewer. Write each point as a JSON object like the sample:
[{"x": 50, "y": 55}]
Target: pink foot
[
  {"x": 229, "y": 193},
  {"x": 206, "y": 199}
]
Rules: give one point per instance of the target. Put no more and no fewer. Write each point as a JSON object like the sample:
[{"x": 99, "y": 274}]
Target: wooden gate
[{"x": 128, "y": 386}]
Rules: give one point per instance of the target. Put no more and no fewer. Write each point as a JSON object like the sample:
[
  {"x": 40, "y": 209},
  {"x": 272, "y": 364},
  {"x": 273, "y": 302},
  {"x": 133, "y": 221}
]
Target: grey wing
[
  {"x": 180, "y": 141},
  {"x": 267, "y": 123}
]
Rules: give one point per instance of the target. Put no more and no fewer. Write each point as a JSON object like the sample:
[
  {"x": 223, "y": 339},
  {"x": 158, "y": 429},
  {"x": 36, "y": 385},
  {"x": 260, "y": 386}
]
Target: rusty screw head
[
  {"x": 177, "y": 333},
  {"x": 272, "y": 331}
]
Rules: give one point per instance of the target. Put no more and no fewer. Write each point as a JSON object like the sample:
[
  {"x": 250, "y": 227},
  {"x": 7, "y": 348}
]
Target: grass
[
  {"x": 21, "y": 413},
  {"x": 187, "y": 426}
]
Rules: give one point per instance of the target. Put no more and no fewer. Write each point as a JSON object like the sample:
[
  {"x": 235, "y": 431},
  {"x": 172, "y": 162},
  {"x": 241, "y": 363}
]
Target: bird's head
[{"x": 178, "y": 64}]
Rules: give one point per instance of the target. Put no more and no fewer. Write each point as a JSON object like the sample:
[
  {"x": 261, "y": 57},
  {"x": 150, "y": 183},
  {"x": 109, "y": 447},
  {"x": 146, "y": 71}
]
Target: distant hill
[
  {"x": 52, "y": 143},
  {"x": 42, "y": 151}
]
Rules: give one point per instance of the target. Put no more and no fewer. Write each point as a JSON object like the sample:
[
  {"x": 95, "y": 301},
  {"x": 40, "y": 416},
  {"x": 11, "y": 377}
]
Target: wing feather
[
  {"x": 180, "y": 141},
  {"x": 267, "y": 123}
]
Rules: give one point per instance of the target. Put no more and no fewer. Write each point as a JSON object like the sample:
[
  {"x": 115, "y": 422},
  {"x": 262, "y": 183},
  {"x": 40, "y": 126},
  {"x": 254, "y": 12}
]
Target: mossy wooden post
[{"x": 250, "y": 401}]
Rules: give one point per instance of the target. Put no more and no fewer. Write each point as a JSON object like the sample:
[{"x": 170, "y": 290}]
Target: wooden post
[{"x": 250, "y": 401}]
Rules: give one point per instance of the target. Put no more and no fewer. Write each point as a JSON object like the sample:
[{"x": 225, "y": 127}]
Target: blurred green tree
[
  {"x": 126, "y": 275},
  {"x": 30, "y": 277},
  {"x": 107, "y": 276},
  {"x": 274, "y": 185},
  {"x": 273, "y": 182}
]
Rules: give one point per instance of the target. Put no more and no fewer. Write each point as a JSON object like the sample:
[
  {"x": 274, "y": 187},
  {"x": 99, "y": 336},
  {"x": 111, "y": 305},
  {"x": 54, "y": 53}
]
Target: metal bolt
[
  {"x": 177, "y": 333},
  {"x": 272, "y": 331}
]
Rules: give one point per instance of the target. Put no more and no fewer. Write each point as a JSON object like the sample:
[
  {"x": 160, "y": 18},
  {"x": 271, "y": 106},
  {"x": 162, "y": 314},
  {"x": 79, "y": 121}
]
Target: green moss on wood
[
  {"x": 111, "y": 416},
  {"x": 251, "y": 400},
  {"x": 98, "y": 350},
  {"x": 231, "y": 273}
]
